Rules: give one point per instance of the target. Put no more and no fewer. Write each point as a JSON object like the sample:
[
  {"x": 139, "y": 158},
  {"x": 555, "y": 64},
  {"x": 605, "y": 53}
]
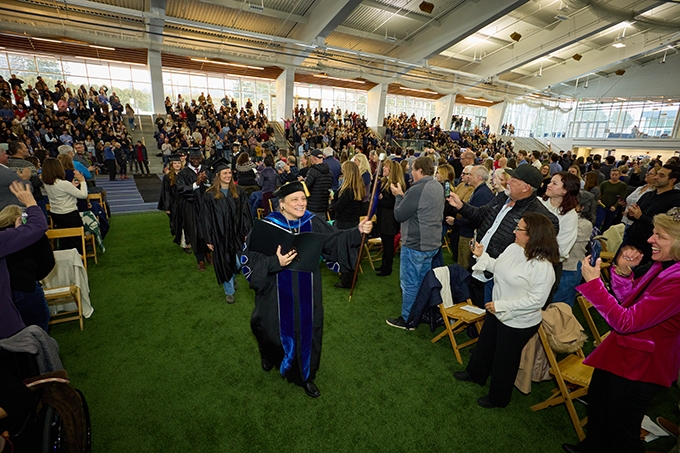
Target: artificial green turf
[{"x": 167, "y": 366}]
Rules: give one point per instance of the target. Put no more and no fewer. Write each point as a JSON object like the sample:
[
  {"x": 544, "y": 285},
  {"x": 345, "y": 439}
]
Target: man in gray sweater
[{"x": 421, "y": 213}]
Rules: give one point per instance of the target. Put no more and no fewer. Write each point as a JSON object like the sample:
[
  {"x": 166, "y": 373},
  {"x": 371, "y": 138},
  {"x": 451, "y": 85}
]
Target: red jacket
[{"x": 645, "y": 341}]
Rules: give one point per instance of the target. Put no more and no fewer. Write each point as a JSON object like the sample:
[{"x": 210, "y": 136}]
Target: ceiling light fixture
[
  {"x": 477, "y": 99},
  {"x": 577, "y": 56},
  {"x": 224, "y": 63},
  {"x": 620, "y": 72},
  {"x": 417, "y": 91},
  {"x": 47, "y": 40},
  {"x": 325, "y": 76},
  {"x": 101, "y": 47},
  {"x": 515, "y": 36},
  {"x": 619, "y": 45},
  {"x": 426, "y": 7}
]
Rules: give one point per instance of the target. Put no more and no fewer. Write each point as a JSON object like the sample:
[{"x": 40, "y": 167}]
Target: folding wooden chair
[
  {"x": 456, "y": 319},
  {"x": 585, "y": 307},
  {"x": 445, "y": 244},
  {"x": 260, "y": 213},
  {"x": 91, "y": 244},
  {"x": 99, "y": 198},
  {"x": 64, "y": 295},
  {"x": 573, "y": 380},
  {"x": 59, "y": 233},
  {"x": 50, "y": 223}
]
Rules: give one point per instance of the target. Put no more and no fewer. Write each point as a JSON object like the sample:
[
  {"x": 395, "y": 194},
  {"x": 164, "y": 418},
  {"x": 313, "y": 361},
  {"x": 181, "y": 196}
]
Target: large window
[
  {"x": 476, "y": 114},
  {"x": 622, "y": 118},
  {"x": 538, "y": 120},
  {"x": 130, "y": 82},
  {"x": 191, "y": 85},
  {"x": 325, "y": 97},
  {"x": 422, "y": 108}
]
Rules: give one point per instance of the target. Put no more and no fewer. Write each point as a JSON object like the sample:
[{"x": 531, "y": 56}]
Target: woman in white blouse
[
  {"x": 561, "y": 198},
  {"x": 523, "y": 276},
  {"x": 62, "y": 195}
]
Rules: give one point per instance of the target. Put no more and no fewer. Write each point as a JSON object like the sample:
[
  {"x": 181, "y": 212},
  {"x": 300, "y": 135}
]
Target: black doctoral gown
[
  {"x": 225, "y": 222},
  {"x": 272, "y": 284},
  {"x": 189, "y": 206},
  {"x": 168, "y": 203}
]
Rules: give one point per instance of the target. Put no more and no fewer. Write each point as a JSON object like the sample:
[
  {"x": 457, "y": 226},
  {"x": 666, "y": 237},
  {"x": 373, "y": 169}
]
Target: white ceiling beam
[
  {"x": 325, "y": 15},
  {"x": 269, "y": 12},
  {"x": 465, "y": 20},
  {"x": 583, "y": 24},
  {"x": 368, "y": 35},
  {"x": 403, "y": 13},
  {"x": 593, "y": 61}
]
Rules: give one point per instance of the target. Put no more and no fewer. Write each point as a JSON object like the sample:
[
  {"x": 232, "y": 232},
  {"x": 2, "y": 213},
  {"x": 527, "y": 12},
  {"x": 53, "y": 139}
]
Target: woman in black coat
[{"x": 387, "y": 226}]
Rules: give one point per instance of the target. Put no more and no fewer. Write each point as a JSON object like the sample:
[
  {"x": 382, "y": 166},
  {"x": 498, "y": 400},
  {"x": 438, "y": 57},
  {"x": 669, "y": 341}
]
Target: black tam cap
[
  {"x": 289, "y": 188},
  {"x": 219, "y": 165}
]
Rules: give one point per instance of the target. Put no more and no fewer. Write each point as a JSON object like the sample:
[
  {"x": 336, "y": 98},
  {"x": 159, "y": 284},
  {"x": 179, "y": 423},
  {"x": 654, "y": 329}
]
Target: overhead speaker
[
  {"x": 515, "y": 36},
  {"x": 620, "y": 72},
  {"x": 577, "y": 56},
  {"x": 426, "y": 7}
]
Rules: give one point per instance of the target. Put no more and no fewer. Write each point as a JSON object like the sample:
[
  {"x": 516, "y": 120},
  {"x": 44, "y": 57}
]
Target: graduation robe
[
  {"x": 287, "y": 320},
  {"x": 225, "y": 223},
  {"x": 188, "y": 204},
  {"x": 168, "y": 202}
]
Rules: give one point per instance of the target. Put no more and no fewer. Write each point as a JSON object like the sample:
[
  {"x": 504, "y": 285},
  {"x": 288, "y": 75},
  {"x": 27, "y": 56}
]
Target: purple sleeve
[{"x": 15, "y": 239}]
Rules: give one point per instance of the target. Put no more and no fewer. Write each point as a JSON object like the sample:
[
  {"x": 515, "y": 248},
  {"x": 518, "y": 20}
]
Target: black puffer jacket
[
  {"x": 319, "y": 181},
  {"x": 483, "y": 217}
]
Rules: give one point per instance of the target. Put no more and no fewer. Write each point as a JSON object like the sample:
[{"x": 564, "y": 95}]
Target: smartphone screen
[{"x": 447, "y": 189}]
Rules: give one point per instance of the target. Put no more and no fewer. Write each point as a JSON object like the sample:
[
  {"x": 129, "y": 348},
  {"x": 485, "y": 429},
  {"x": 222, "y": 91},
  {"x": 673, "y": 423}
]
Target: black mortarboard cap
[
  {"x": 174, "y": 158},
  {"x": 219, "y": 165},
  {"x": 289, "y": 188}
]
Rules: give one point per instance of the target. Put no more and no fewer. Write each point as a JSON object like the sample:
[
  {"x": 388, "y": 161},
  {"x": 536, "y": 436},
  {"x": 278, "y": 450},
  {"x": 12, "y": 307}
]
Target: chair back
[
  {"x": 585, "y": 308},
  {"x": 75, "y": 232}
]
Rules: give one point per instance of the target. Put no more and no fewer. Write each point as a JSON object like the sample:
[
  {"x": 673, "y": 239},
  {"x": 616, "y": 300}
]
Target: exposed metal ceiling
[{"x": 461, "y": 45}]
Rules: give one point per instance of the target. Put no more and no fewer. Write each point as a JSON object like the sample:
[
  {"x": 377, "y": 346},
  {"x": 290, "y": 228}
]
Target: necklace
[{"x": 293, "y": 230}]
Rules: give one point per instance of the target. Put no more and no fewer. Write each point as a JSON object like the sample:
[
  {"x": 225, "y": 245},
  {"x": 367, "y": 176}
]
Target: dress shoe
[
  {"x": 668, "y": 426},
  {"x": 463, "y": 376},
  {"x": 485, "y": 402},
  {"x": 342, "y": 285},
  {"x": 267, "y": 365},
  {"x": 570, "y": 448},
  {"x": 201, "y": 266},
  {"x": 311, "y": 389},
  {"x": 383, "y": 274}
]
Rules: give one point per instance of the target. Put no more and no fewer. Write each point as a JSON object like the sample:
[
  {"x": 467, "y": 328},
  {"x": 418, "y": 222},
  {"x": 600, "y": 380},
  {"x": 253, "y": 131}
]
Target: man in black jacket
[
  {"x": 496, "y": 222},
  {"x": 319, "y": 182}
]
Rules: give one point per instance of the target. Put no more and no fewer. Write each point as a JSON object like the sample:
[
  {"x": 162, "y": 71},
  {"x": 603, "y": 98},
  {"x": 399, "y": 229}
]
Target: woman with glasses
[{"x": 523, "y": 277}]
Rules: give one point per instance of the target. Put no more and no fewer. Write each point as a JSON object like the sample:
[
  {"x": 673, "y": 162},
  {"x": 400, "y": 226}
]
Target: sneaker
[
  {"x": 230, "y": 299},
  {"x": 399, "y": 323}
]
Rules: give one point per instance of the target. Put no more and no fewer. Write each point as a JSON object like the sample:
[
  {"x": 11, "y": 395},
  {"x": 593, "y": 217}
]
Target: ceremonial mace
[{"x": 376, "y": 182}]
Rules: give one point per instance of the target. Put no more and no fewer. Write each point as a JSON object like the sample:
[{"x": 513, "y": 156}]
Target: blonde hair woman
[
  {"x": 365, "y": 172},
  {"x": 387, "y": 226}
]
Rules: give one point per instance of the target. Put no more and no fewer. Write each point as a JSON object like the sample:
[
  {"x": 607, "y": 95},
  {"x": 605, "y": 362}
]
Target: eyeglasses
[{"x": 517, "y": 228}]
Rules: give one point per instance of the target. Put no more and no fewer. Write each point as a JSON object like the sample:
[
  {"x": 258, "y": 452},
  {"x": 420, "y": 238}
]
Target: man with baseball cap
[{"x": 496, "y": 222}]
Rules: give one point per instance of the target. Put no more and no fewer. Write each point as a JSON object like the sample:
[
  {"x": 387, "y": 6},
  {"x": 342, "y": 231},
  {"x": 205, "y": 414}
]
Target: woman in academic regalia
[
  {"x": 226, "y": 220},
  {"x": 168, "y": 201},
  {"x": 287, "y": 298}
]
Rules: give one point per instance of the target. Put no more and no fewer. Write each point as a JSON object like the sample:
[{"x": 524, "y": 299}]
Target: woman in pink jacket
[{"x": 641, "y": 356}]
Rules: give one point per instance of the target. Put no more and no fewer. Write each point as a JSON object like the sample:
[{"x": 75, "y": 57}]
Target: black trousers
[
  {"x": 111, "y": 168},
  {"x": 145, "y": 163},
  {"x": 388, "y": 252},
  {"x": 497, "y": 354},
  {"x": 616, "y": 407},
  {"x": 70, "y": 220}
]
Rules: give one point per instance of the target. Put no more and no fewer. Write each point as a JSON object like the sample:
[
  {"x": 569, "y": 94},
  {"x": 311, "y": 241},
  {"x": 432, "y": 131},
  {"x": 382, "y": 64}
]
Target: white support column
[
  {"x": 156, "y": 75},
  {"x": 494, "y": 117},
  {"x": 443, "y": 108},
  {"x": 284, "y": 95},
  {"x": 377, "y": 99}
]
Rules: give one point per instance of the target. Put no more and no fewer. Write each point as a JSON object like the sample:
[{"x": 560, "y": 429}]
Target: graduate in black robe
[
  {"x": 225, "y": 220},
  {"x": 288, "y": 317},
  {"x": 168, "y": 201},
  {"x": 192, "y": 182}
]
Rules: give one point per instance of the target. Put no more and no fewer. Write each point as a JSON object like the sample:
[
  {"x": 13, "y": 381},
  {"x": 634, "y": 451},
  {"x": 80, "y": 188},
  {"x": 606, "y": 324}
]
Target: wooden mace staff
[{"x": 370, "y": 211}]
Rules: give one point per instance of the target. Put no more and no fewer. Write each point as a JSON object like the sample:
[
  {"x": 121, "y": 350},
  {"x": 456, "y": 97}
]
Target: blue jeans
[
  {"x": 566, "y": 292},
  {"x": 229, "y": 286},
  {"x": 32, "y": 307},
  {"x": 414, "y": 265}
]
